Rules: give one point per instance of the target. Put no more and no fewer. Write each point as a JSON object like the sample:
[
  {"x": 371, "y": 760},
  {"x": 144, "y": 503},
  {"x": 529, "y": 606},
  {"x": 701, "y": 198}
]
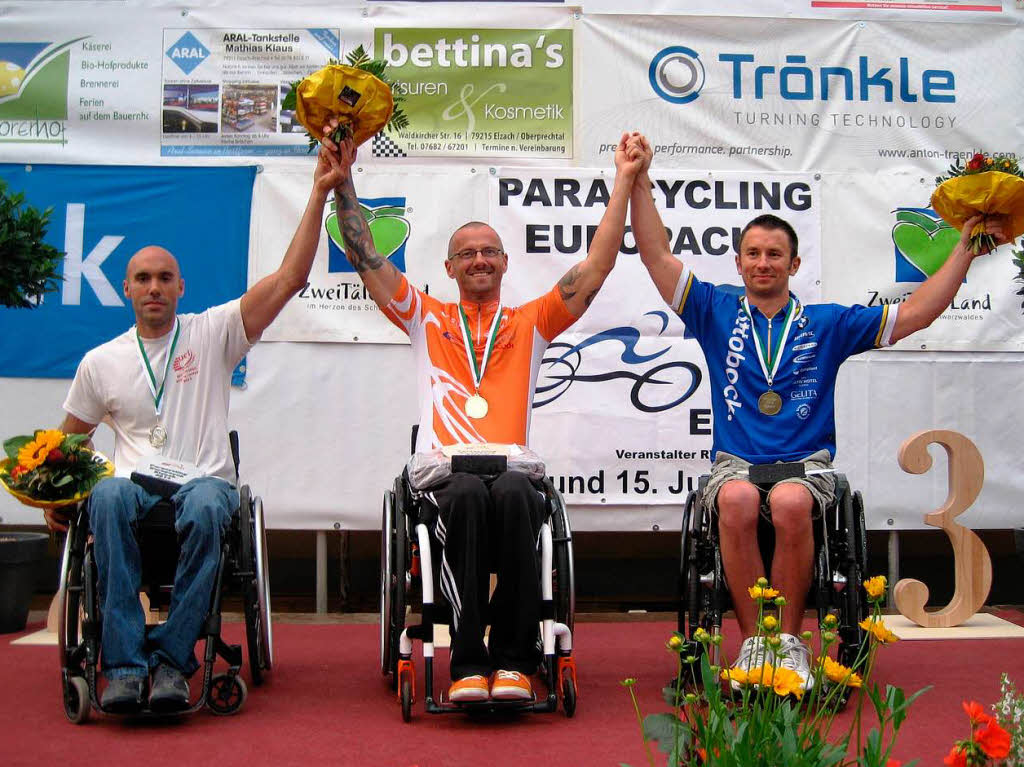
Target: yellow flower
[
  {"x": 830, "y": 621},
  {"x": 762, "y": 592},
  {"x": 840, "y": 674},
  {"x": 769, "y": 623},
  {"x": 783, "y": 681},
  {"x": 702, "y": 635},
  {"x": 878, "y": 630},
  {"x": 875, "y": 587},
  {"x": 34, "y": 453},
  {"x": 737, "y": 675},
  {"x": 674, "y": 642}
]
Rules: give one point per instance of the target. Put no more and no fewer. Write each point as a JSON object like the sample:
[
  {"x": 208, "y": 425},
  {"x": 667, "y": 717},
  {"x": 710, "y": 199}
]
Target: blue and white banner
[{"x": 101, "y": 216}]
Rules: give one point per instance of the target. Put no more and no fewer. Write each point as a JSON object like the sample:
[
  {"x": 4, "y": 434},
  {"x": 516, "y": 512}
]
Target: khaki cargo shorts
[{"x": 821, "y": 486}]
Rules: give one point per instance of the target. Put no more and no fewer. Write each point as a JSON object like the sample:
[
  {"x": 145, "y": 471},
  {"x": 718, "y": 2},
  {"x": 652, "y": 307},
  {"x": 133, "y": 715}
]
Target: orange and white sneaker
[
  {"x": 469, "y": 689},
  {"x": 511, "y": 685}
]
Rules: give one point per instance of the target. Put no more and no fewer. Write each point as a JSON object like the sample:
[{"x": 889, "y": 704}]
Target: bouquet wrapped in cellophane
[
  {"x": 51, "y": 469},
  {"x": 358, "y": 93},
  {"x": 985, "y": 184}
]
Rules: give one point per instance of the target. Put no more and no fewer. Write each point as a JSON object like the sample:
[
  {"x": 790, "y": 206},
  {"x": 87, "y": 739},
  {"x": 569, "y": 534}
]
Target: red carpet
[{"x": 327, "y": 703}]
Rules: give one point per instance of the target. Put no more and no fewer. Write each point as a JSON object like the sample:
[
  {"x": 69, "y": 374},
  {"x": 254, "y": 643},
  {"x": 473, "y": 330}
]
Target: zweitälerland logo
[
  {"x": 188, "y": 53},
  {"x": 33, "y": 86},
  {"x": 389, "y": 229},
  {"x": 922, "y": 242},
  {"x": 677, "y": 74}
]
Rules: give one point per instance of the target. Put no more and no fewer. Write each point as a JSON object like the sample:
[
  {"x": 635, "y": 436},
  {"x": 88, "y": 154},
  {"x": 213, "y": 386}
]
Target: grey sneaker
[
  {"x": 168, "y": 691},
  {"x": 123, "y": 695},
  {"x": 751, "y": 655},
  {"x": 796, "y": 656}
]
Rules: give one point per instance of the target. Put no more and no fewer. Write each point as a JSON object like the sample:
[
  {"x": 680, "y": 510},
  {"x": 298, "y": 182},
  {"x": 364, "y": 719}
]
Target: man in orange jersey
[{"x": 477, "y": 364}]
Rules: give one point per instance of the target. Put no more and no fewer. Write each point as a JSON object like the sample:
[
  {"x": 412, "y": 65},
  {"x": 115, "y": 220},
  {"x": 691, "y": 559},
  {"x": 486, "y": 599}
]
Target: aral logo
[
  {"x": 34, "y": 91},
  {"x": 188, "y": 53},
  {"x": 922, "y": 243},
  {"x": 388, "y": 227}
]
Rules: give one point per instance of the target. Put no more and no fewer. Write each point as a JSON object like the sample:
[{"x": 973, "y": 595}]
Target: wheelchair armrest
[
  {"x": 480, "y": 464},
  {"x": 770, "y": 473}
]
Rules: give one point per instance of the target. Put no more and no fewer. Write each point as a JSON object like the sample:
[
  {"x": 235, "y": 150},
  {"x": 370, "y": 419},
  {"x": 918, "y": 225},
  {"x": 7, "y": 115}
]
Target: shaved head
[
  {"x": 152, "y": 258},
  {"x": 471, "y": 225}
]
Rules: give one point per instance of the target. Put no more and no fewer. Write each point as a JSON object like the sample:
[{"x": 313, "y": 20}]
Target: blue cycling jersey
[{"x": 820, "y": 338}]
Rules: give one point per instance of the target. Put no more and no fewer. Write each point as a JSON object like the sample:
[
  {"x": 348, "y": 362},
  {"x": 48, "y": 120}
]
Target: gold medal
[
  {"x": 158, "y": 436},
  {"x": 476, "y": 407},
  {"x": 769, "y": 403}
]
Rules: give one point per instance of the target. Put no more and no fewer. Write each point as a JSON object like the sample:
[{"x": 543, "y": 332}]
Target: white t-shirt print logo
[{"x": 186, "y": 367}]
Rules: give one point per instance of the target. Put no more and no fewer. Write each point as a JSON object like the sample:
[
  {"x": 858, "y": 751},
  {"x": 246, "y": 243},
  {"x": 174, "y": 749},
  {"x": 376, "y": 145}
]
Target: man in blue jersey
[{"x": 772, "y": 364}]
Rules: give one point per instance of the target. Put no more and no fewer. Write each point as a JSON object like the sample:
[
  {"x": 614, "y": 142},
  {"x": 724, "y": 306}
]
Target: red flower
[
  {"x": 976, "y": 713},
  {"x": 993, "y": 740},
  {"x": 957, "y": 757},
  {"x": 17, "y": 471},
  {"x": 54, "y": 455},
  {"x": 976, "y": 162},
  {"x": 893, "y": 763}
]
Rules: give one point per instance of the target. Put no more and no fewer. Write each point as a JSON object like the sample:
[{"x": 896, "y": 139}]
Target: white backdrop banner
[
  {"x": 411, "y": 215},
  {"x": 791, "y": 94}
]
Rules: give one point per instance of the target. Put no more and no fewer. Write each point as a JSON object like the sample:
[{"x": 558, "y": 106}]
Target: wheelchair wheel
[
  {"x": 256, "y": 590},
  {"x": 406, "y": 693},
  {"x": 854, "y": 605},
  {"x": 227, "y": 694},
  {"x": 689, "y": 575},
  {"x": 568, "y": 695},
  {"x": 564, "y": 580},
  {"x": 76, "y": 699},
  {"x": 394, "y": 560}
]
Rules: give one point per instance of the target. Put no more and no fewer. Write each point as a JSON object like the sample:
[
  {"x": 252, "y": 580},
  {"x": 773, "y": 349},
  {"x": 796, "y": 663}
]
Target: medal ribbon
[
  {"x": 158, "y": 394},
  {"x": 769, "y": 361},
  {"x": 478, "y": 370}
]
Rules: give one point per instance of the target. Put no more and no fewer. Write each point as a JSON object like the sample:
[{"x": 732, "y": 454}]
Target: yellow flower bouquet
[
  {"x": 51, "y": 469},
  {"x": 359, "y": 93},
  {"x": 984, "y": 184},
  {"x": 772, "y": 721}
]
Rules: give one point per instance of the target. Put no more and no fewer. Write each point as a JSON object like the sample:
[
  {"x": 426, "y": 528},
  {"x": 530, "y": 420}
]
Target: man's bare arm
[
  {"x": 649, "y": 231},
  {"x": 581, "y": 283},
  {"x": 380, "y": 276}
]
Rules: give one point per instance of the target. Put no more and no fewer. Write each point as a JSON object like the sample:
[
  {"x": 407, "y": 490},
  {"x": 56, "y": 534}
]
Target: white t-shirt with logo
[{"x": 111, "y": 386}]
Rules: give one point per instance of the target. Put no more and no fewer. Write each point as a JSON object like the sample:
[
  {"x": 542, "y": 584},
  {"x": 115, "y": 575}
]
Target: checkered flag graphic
[{"x": 385, "y": 147}]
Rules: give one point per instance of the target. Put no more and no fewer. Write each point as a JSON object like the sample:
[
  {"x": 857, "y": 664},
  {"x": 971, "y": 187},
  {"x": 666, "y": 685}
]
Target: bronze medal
[{"x": 769, "y": 403}]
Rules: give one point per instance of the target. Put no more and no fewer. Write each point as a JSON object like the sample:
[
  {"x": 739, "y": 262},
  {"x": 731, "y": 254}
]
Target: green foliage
[
  {"x": 28, "y": 266},
  {"x": 70, "y": 470}
]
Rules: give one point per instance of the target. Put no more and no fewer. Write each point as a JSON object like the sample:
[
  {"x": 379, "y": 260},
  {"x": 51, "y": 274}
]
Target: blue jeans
[{"x": 203, "y": 510}]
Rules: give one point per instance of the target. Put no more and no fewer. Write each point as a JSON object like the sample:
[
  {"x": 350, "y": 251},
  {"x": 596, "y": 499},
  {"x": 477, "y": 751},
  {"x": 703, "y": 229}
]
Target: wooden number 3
[{"x": 973, "y": 567}]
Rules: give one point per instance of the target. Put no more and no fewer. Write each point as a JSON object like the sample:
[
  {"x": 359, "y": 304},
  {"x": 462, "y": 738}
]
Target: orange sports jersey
[{"x": 444, "y": 378}]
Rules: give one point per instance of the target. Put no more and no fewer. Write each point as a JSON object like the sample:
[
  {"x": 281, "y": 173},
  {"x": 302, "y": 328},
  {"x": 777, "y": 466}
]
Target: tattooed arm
[
  {"x": 378, "y": 274},
  {"x": 580, "y": 284},
  {"x": 265, "y": 300}
]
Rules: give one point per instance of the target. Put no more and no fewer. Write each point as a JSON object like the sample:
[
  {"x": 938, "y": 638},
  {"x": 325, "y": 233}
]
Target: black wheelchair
[
  {"x": 840, "y": 557},
  {"x": 408, "y": 575},
  {"x": 243, "y": 563}
]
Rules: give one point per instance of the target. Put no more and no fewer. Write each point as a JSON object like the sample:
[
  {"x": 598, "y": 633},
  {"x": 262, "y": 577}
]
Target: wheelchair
[
  {"x": 243, "y": 563},
  {"x": 840, "y": 557},
  {"x": 408, "y": 574}
]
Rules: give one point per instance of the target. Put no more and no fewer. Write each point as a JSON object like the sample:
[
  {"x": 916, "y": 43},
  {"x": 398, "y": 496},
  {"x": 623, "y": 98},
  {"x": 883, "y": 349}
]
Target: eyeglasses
[{"x": 469, "y": 253}]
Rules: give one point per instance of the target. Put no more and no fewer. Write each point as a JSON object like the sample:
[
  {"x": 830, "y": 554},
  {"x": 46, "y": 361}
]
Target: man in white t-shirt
[{"x": 163, "y": 387}]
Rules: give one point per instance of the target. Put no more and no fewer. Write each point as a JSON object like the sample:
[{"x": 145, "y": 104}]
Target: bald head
[
  {"x": 471, "y": 227},
  {"x": 152, "y": 258},
  {"x": 152, "y": 282}
]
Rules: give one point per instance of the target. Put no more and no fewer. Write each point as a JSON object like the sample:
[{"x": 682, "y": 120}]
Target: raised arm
[
  {"x": 934, "y": 294},
  {"x": 380, "y": 276},
  {"x": 649, "y": 231},
  {"x": 580, "y": 284},
  {"x": 265, "y": 300}
]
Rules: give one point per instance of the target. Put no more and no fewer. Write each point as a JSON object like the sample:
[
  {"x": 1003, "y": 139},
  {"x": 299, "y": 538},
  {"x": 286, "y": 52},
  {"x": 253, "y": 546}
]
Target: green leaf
[{"x": 14, "y": 444}]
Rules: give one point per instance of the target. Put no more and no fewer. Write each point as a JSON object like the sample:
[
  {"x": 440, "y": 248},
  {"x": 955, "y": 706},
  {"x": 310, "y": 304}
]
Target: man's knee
[
  {"x": 791, "y": 505},
  {"x": 113, "y": 501},
  {"x": 205, "y": 506},
  {"x": 738, "y": 503},
  {"x": 467, "y": 491},
  {"x": 513, "y": 485}
]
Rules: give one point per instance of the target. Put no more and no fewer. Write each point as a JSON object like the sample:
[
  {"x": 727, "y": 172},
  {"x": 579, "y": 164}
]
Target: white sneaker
[
  {"x": 796, "y": 656},
  {"x": 751, "y": 656}
]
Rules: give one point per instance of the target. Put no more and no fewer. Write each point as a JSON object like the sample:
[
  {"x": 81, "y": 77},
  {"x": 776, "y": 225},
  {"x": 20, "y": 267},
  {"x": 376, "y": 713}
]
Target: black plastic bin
[{"x": 19, "y": 555}]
